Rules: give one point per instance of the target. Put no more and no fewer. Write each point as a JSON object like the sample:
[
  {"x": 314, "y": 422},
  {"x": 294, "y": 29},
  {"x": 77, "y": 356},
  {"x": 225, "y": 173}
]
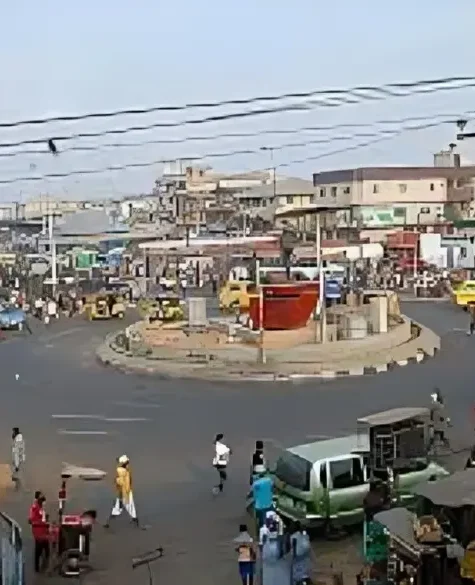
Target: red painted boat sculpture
[{"x": 285, "y": 306}]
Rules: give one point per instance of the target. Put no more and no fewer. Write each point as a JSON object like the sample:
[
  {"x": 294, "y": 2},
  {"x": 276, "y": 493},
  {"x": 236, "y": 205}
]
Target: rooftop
[
  {"x": 392, "y": 174},
  {"x": 331, "y": 447}
]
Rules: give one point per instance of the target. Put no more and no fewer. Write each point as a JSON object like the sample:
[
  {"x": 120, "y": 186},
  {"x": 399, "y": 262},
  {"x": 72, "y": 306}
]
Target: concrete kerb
[{"x": 425, "y": 345}]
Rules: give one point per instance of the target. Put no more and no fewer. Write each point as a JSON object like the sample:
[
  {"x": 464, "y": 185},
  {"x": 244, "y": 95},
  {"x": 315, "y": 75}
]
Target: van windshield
[{"x": 294, "y": 471}]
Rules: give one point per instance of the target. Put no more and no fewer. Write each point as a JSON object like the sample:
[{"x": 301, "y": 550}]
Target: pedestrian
[
  {"x": 39, "y": 304},
  {"x": 246, "y": 555},
  {"x": 125, "y": 497},
  {"x": 471, "y": 324},
  {"x": 301, "y": 554},
  {"x": 258, "y": 464},
  {"x": 439, "y": 421},
  {"x": 41, "y": 531},
  {"x": 18, "y": 454},
  {"x": 262, "y": 494},
  {"x": 220, "y": 461},
  {"x": 470, "y": 464}
]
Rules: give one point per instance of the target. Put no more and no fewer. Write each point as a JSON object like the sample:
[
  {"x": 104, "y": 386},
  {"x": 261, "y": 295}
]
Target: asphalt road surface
[{"x": 71, "y": 409}]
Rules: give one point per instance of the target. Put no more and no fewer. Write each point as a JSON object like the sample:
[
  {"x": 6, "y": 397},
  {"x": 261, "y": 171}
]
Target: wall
[
  {"x": 403, "y": 191},
  {"x": 382, "y": 192}
]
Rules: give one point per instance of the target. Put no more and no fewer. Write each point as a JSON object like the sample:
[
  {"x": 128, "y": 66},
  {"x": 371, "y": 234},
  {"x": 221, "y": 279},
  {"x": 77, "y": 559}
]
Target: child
[{"x": 246, "y": 555}]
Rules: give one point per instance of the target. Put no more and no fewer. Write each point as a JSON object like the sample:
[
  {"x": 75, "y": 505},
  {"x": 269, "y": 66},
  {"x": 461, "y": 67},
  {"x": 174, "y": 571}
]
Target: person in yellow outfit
[{"x": 125, "y": 497}]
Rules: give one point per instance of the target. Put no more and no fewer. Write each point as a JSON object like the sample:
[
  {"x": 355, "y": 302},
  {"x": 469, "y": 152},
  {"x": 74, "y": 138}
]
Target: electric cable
[
  {"x": 445, "y": 119},
  {"x": 381, "y": 135},
  {"x": 308, "y": 106},
  {"x": 384, "y": 89}
]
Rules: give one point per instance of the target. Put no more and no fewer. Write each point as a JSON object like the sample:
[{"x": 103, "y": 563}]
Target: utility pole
[
  {"x": 321, "y": 280},
  {"x": 260, "y": 289},
  {"x": 52, "y": 247},
  {"x": 273, "y": 168}
]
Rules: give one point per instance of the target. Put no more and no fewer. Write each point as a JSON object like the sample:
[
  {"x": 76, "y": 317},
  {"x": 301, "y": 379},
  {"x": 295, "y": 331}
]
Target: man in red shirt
[{"x": 40, "y": 529}]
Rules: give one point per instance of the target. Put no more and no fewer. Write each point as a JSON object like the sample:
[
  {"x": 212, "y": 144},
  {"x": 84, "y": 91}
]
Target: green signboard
[{"x": 382, "y": 216}]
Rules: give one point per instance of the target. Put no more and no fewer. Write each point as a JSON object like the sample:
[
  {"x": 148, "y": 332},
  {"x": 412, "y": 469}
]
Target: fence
[{"x": 11, "y": 567}]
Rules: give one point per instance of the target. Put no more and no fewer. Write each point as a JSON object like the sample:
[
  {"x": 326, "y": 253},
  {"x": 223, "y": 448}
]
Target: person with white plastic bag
[
  {"x": 18, "y": 454},
  {"x": 125, "y": 497}
]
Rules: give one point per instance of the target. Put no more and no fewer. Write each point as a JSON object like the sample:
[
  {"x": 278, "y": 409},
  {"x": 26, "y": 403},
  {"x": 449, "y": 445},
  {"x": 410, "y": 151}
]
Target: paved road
[{"x": 167, "y": 429}]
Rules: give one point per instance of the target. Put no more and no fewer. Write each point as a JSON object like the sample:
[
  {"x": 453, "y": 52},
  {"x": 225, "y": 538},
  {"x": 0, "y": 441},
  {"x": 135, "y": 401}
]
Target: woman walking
[
  {"x": 18, "y": 454},
  {"x": 220, "y": 461}
]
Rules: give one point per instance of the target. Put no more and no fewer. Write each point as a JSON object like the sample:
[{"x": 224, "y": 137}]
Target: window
[
  {"x": 333, "y": 191},
  {"x": 346, "y": 190},
  {"x": 402, "y": 188},
  {"x": 294, "y": 471},
  {"x": 346, "y": 473},
  {"x": 375, "y": 188},
  {"x": 432, "y": 186},
  {"x": 323, "y": 475},
  {"x": 290, "y": 199},
  {"x": 322, "y": 192}
]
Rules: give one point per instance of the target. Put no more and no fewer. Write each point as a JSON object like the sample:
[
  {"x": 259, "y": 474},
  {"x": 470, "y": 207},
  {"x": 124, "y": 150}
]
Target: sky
[{"x": 82, "y": 57}]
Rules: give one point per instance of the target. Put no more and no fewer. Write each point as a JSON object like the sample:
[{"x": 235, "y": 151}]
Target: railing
[{"x": 11, "y": 568}]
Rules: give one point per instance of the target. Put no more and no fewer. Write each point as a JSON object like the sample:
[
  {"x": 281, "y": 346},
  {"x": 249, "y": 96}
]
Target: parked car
[{"x": 12, "y": 318}]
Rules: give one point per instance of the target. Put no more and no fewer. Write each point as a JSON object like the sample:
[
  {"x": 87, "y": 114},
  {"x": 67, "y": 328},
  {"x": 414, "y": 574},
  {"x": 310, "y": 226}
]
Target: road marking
[
  {"x": 67, "y": 432},
  {"x": 78, "y": 416},
  {"x": 98, "y": 417},
  {"x": 137, "y": 404},
  {"x": 120, "y": 420},
  {"x": 60, "y": 334}
]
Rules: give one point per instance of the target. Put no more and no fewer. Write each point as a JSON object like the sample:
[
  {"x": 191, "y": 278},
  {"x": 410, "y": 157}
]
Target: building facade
[{"x": 380, "y": 198}]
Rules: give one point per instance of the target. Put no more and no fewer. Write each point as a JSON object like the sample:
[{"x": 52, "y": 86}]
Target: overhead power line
[
  {"x": 378, "y": 136},
  {"x": 443, "y": 118},
  {"x": 356, "y": 92},
  {"x": 146, "y": 127}
]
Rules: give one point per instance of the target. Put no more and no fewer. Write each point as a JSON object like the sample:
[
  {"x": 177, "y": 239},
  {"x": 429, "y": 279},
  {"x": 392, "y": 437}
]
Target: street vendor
[{"x": 40, "y": 529}]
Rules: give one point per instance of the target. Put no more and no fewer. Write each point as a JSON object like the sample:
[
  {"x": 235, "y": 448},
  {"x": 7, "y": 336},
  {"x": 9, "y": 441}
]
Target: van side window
[
  {"x": 323, "y": 475},
  {"x": 346, "y": 473}
]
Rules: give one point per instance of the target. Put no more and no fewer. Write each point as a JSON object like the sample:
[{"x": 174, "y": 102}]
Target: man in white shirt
[{"x": 220, "y": 461}]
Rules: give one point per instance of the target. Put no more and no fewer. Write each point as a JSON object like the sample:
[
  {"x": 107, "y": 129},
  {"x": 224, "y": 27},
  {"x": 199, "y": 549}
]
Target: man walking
[
  {"x": 125, "y": 497},
  {"x": 18, "y": 455}
]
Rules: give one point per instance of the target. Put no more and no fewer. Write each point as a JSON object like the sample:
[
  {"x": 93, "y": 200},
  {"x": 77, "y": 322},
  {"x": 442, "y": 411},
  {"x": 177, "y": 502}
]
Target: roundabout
[{"x": 70, "y": 408}]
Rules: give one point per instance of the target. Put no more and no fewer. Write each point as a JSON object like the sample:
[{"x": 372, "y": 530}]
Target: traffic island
[{"x": 214, "y": 354}]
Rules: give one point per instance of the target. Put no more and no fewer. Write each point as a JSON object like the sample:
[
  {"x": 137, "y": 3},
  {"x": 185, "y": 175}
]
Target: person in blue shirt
[{"x": 262, "y": 493}]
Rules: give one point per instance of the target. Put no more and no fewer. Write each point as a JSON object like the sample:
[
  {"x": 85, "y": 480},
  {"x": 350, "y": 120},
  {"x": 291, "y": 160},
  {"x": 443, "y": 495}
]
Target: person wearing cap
[
  {"x": 258, "y": 464},
  {"x": 125, "y": 497}
]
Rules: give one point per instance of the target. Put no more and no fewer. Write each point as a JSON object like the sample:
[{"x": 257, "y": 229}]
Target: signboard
[
  {"x": 332, "y": 289},
  {"x": 380, "y": 217}
]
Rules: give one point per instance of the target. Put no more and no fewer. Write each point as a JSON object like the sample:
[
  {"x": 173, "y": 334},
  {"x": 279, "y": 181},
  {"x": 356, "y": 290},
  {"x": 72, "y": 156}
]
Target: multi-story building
[{"x": 378, "y": 199}]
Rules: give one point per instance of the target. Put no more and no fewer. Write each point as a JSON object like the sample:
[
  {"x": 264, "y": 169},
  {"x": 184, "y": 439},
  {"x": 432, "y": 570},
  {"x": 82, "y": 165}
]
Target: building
[{"x": 379, "y": 199}]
